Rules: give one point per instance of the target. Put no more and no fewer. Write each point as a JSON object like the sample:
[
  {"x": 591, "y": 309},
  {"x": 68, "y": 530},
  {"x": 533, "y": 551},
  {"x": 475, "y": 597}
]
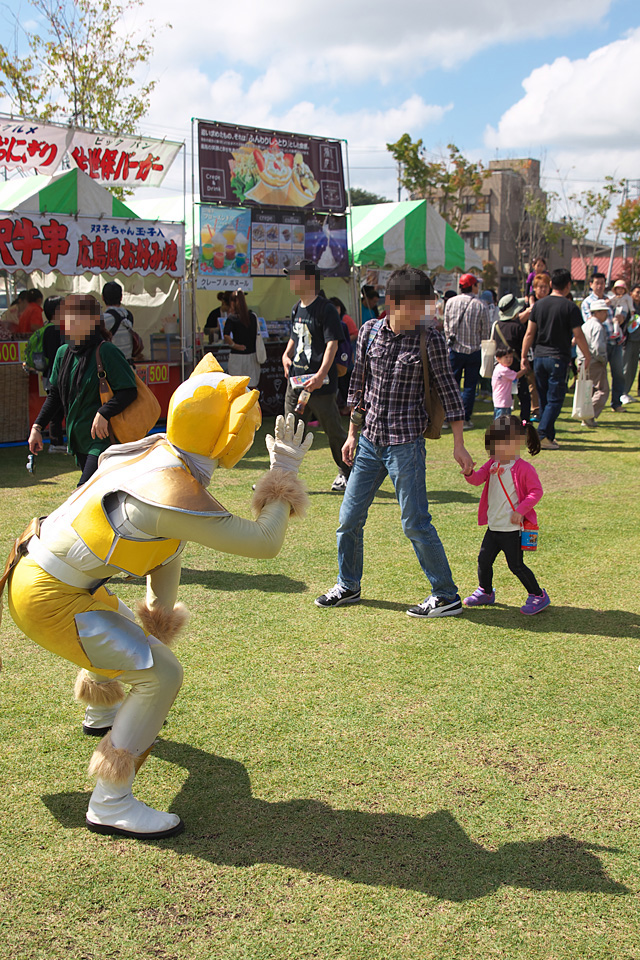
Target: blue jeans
[
  {"x": 405, "y": 464},
  {"x": 615, "y": 357},
  {"x": 501, "y": 412},
  {"x": 551, "y": 381},
  {"x": 469, "y": 363}
]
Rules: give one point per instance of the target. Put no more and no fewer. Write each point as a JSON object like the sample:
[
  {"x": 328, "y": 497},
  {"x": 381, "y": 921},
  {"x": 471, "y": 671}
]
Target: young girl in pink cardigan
[{"x": 511, "y": 490}]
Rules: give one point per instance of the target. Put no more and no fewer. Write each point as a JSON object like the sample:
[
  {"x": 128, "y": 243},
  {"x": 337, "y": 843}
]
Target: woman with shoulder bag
[
  {"x": 241, "y": 332},
  {"x": 74, "y": 386}
]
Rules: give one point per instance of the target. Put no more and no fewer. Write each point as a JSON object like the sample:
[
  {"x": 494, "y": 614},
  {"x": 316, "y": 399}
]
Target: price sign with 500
[
  {"x": 158, "y": 373},
  {"x": 12, "y": 351}
]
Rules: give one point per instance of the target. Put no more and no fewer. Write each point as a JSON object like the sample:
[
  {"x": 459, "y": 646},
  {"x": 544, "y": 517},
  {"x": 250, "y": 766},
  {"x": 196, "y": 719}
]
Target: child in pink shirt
[
  {"x": 511, "y": 490},
  {"x": 501, "y": 381}
]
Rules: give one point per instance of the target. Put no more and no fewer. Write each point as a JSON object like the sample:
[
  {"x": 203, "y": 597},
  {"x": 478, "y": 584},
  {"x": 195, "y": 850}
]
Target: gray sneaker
[{"x": 339, "y": 485}]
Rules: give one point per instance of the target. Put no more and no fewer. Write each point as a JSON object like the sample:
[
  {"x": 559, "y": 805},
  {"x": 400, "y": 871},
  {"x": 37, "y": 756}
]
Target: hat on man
[
  {"x": 511, "y": 306},
  {"x": 308, "y": 267},
  {"x": 600, "y": 305},
  {"x": 467, "y": 280}
]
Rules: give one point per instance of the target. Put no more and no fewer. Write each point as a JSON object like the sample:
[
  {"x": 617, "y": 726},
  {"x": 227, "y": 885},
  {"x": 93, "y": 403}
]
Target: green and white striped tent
[
  {"x": 412, "y": 233},
  {"x": 72, "y": 192}
]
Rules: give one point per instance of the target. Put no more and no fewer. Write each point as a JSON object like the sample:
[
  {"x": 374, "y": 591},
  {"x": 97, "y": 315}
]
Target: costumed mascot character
[{"x": 134, "y": 516}]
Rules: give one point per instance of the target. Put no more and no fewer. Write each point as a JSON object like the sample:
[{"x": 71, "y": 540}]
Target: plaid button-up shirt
[
  {"x": 391, "y": 371},
  {"x": 467, "y": 319}
]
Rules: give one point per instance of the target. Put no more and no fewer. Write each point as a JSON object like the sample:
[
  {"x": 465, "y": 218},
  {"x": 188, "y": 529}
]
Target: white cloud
[
  {"x": 336, "y": 41},
  {"x": 584, "y": 112}
]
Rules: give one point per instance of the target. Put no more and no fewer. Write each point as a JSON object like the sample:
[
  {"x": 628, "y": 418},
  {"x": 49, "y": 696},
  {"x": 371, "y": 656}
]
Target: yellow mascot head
[{"x": 214, "y": 415}]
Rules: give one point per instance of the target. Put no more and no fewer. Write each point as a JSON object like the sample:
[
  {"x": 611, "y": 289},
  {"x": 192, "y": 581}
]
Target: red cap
[{"x": 468, "y": 280}]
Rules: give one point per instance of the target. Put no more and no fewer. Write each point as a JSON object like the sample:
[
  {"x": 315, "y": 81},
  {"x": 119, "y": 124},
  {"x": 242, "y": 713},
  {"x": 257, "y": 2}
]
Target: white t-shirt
[{"x": 498, "y": 507}]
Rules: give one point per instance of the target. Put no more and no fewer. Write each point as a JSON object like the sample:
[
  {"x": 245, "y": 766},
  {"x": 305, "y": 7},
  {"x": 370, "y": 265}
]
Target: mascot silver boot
[{"x": 135, "y": 516}]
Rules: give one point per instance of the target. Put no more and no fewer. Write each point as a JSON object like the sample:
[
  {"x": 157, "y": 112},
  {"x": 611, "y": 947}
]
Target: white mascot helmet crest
[{"x": 214, "y": 415}]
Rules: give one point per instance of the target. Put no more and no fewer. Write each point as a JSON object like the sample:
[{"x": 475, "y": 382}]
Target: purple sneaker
[
  {"x": 480, "y": 599},
  {"x": 536, "y": 604}
]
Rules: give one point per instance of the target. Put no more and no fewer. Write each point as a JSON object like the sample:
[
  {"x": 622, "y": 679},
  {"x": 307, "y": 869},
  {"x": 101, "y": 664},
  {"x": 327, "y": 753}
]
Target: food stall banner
[
  {"x": 38, "y": 147},
  {"x": 242, "y": 165},
  {"x": 122, "y": 161},
  {"x": 73, "y": 246},
  {"x": 225, "y": 247}
]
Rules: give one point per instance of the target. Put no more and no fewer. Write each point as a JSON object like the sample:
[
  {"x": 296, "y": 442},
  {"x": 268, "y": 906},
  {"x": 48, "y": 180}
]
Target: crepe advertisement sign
[
  {"x": 242, "y": 165},
  {"x": 225, "y": 245}
]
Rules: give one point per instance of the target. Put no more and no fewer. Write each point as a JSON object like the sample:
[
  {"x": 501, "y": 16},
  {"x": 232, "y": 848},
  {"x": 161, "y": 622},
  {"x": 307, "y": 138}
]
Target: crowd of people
[{"x": 138, "y": 504}]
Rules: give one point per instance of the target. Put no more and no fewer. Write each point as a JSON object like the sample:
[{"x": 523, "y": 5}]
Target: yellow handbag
[{"x": 138, "y": 418}]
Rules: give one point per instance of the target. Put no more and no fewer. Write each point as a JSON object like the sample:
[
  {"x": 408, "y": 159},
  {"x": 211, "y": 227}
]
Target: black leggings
[
  {"x": 509, "y": 543},
  {"x": 88, "y": 463}
]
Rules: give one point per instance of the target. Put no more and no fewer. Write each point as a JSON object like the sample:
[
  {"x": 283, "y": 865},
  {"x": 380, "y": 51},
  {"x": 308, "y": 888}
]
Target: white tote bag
[
  {"x": 583, "y": 397},
  {"x": 488, "y": 358},
  {"x": 261, "y": 350}
]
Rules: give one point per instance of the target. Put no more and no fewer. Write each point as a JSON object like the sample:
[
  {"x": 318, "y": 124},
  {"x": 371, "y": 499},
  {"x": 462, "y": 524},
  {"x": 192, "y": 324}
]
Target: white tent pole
[
  {"x": 354, "y": 281},
  {"x": 193, "y": 241}
]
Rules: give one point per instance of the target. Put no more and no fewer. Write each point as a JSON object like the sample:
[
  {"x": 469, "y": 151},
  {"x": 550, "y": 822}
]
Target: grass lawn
[{"x": 356, "y": 784}]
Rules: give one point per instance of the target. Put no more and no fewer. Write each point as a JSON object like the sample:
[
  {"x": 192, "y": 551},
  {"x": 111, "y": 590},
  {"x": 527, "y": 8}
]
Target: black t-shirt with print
[
  {"x": 555, "y": 318},
  {"x": 312, "y": 327}
]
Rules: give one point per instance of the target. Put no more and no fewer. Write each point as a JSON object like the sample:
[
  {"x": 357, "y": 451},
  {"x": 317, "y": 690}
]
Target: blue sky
[{"x": 443, "y": 72}]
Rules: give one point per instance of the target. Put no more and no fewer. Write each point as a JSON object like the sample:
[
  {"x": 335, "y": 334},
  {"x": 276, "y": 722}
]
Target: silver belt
[{"x": 58, "y": 568}]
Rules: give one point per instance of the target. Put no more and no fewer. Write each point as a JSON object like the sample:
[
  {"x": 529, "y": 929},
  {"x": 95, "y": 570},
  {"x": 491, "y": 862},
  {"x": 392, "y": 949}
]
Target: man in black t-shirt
[
  {"x": 554, "y": 321},
  {"x": 312, "y": 347}
]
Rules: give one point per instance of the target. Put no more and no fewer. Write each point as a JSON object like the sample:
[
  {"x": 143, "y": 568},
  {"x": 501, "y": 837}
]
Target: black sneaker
[
  {"x": 436, "y": 607},
  {"x": 337, "y": 597}
]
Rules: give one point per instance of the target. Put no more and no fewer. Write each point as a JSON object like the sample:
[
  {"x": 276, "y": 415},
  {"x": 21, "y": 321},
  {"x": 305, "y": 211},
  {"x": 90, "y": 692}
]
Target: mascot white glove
[{"x": 287, "y": 448}]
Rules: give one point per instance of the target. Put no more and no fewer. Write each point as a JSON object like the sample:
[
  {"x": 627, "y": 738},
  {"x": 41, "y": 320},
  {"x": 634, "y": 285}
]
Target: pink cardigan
[{"x": 525, "y": 480}]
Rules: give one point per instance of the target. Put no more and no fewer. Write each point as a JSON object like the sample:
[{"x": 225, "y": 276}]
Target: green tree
[
  {"x": 447, "y": 181},
  {"x": 585, "y": 218},
  {"x": 81, "y": 67},
  {"x": 360, "y": 197},
  {"x": 489, "y": 275},
  {"x": 627, "y": 225}
]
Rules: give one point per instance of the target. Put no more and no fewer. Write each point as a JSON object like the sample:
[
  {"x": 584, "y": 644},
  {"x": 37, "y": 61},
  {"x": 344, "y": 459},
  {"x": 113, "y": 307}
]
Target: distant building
[{"x": 498, "y": 228}]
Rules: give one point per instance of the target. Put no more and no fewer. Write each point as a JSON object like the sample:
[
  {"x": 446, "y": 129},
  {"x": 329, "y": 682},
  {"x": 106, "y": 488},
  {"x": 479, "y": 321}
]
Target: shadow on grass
[
  {"x": 233, "y": 580},
  {"x": 621, "y": 624},
  {"x": 227, "y": 825}
]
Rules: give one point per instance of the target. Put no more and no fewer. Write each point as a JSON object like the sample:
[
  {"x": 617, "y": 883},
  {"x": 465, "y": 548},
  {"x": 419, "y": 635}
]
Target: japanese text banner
[
  {"x": 71, "y": 246},
  {"x": 39, "y": 147},
  {"x": 122, "y": 161}
]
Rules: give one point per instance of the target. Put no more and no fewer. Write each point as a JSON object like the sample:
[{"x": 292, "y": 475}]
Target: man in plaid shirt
[
  {"x": 466, "y": 325},
  {"x": 386, "y": 397}
]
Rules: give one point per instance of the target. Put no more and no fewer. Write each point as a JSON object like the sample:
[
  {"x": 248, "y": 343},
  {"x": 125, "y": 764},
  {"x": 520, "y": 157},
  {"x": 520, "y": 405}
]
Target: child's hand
[
  {"x": 516, "y": 517},
  {"x": 468, "y": 472}
]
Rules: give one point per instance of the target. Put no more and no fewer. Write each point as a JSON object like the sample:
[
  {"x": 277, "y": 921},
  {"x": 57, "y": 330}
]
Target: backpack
[
  {"x": 137, "y": 344},
  {"x": 344, "y": 354},
  {"x": 34, "y": 357}
]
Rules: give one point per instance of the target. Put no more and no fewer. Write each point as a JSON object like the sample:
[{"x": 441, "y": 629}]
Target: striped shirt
[
  {"x": 391, "y": 370},
  {"x": 467, "y": 319}
]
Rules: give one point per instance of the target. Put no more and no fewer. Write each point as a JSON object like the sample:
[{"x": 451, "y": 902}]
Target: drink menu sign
[{"x": 243, "y": 166}]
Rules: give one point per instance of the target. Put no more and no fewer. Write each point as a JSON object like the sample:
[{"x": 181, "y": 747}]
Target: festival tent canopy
[
  {"x": 73, "y": 193},
  {"x": 411, "y": 232}
]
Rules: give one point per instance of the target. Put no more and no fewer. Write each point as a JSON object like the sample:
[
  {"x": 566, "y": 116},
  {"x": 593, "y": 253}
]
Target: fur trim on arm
[
  {"x": 90, "y": 691},
  {"x": 110, "y": 764},
  {"x": 163, "y": 624},
  {"x": 279, "y": 484}
]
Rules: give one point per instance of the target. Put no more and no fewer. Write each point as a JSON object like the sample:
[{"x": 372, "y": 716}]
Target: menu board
[
  {"x": 244, "y": 165},
  {"x": 326, "y": 244},
  {"x": 277, "y": 241},
  {"x": 225, "y": 247}
]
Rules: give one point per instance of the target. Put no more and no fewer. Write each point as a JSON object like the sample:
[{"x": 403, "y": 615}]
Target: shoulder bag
[
  {"x": 432, "y": 401},
  {"x": 138, "y": 418}
]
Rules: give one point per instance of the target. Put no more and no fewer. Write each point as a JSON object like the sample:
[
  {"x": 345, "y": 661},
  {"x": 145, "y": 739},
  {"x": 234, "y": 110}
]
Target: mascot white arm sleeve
[{"x": 261, "y": 538}]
